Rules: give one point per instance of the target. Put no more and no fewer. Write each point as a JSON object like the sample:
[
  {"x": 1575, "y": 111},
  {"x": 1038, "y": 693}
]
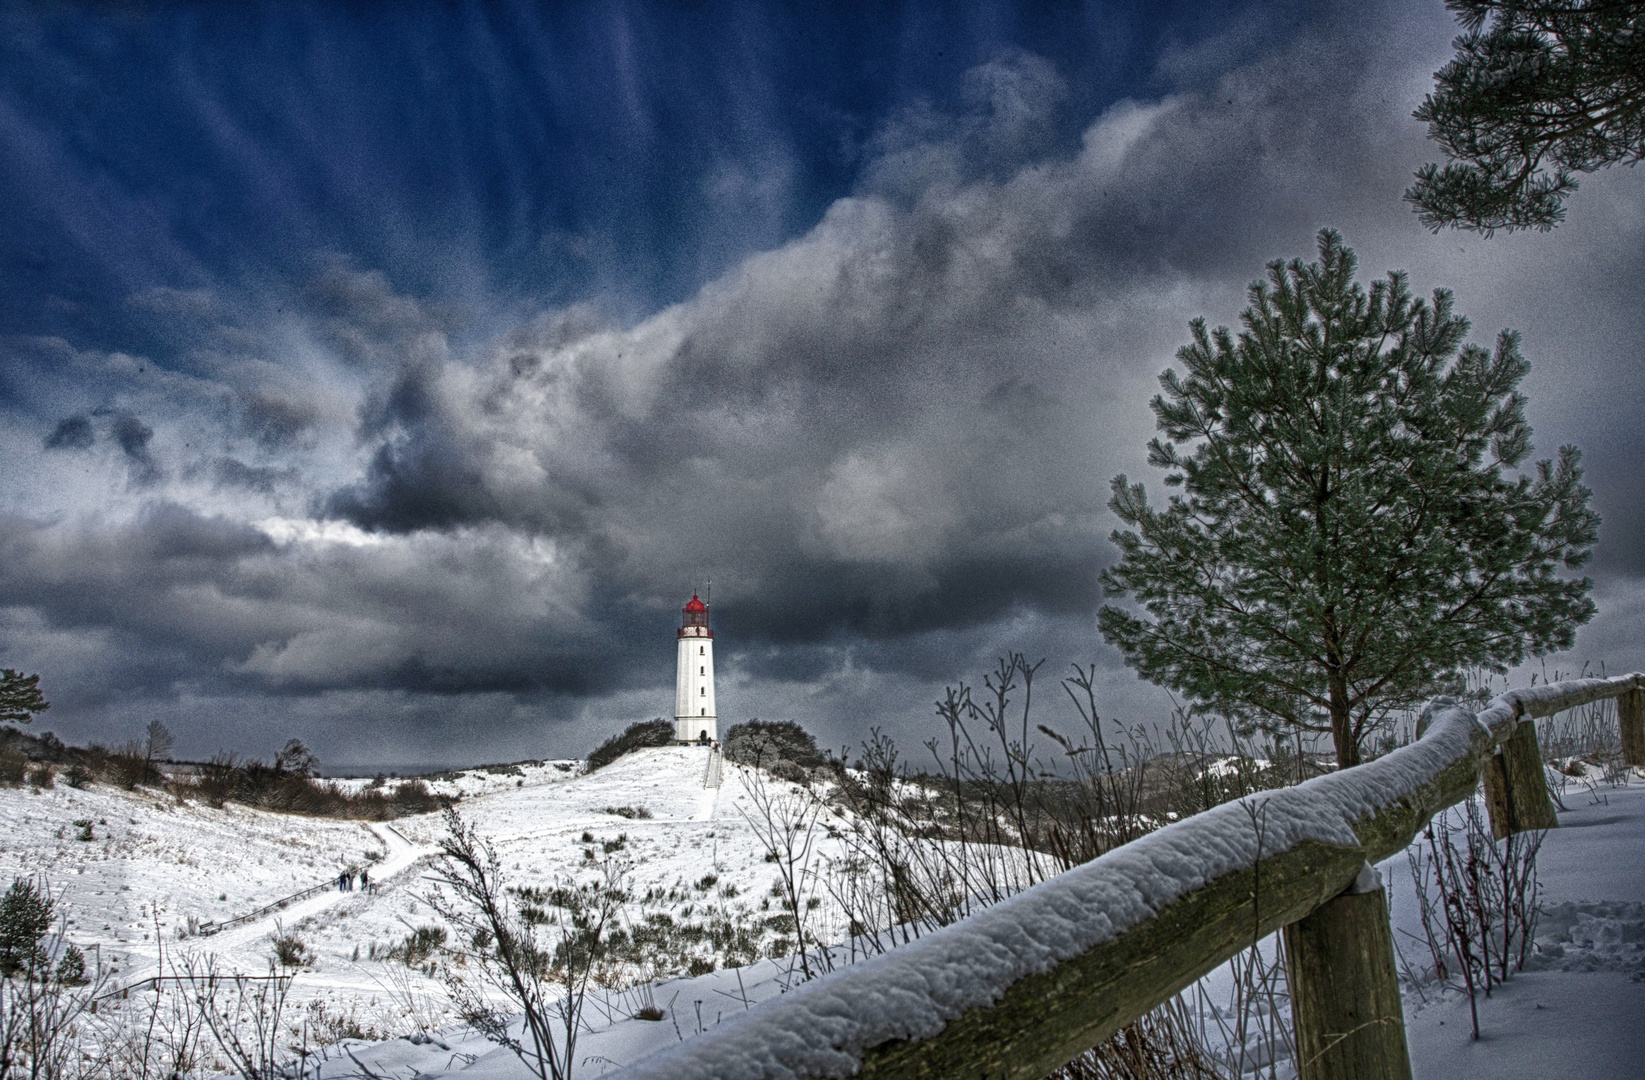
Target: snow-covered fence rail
[
  {"x": 1031, "y": 983},
  {"x": 207, "y": 929},
  {"x": 154, "y": 982}
]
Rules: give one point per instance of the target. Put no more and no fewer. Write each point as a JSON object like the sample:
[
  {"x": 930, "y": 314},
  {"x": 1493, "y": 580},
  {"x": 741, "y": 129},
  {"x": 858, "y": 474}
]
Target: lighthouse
[{"x": 694, "y": 676}]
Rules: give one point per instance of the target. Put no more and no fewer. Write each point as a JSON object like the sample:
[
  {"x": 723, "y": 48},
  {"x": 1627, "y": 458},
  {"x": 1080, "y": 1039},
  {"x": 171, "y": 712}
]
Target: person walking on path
[
  {"x": 365, "y": 880},
  {"x": 342, "y": 881}
]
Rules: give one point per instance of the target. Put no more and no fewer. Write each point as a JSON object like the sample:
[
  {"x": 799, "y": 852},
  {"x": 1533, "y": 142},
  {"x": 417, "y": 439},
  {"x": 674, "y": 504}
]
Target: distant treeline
[{"x": 287, "y": 784}]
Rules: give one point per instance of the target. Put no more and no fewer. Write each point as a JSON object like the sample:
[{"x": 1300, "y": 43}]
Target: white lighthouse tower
[{"x": 694, "y": 677}]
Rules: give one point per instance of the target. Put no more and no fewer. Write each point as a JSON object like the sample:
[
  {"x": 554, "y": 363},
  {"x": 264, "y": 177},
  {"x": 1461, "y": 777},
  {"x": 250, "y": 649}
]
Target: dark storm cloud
[
  {"x": 276, "y": 419},
  {"x": 129, "y": 433},
  {"x": 72, "y": 433},
  {"x": 132, "y": 436},
  {"x": 887, "y": 439},
  {"x": 885, "y": 425},
  {"x": 449, "y": 614}
]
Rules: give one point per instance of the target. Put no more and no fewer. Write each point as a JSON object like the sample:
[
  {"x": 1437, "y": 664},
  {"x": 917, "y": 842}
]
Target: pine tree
[
  {"x": 1539, "y": 91},
  {"x": 25, "y": 919},
  {"x": 1352, "y": 527},
  {"x": 20, "y": 696},
  {"x": 71, "y": 967}
]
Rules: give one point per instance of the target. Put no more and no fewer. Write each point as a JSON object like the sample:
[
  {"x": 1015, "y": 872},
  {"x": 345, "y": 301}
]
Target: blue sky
[
  {"x": 483, "y": 154},
  {"x": 388, "y": 375}
]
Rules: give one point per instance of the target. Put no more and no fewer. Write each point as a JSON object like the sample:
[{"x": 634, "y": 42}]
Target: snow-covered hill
[
  {"x": 1574, "y": 1010},
  {"x": 156, "y": 868}
]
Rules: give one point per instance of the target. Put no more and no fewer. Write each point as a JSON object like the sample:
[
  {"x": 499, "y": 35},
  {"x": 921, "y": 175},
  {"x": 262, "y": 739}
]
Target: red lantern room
[{"x": 694, "y": 619}]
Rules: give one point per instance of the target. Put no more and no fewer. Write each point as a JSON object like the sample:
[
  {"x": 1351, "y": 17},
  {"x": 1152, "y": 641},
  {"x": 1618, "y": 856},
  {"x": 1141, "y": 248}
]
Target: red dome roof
[{"x": 695, "y": 604}]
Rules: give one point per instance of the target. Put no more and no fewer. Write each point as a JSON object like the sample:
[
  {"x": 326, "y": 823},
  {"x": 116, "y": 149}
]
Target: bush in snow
[
  {"x": 781, "y": 747},
  {"x": 635, "y": 737},
  {"x": 419, "y": 945},
  {"x": 290, "y": 950},
  {"x": 13, "y": 765}
]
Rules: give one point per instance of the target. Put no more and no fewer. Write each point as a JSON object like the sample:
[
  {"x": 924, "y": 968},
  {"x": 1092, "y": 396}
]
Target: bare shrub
[
  {"x": 1478, "y": 900},
  {"x": 217, "y": 780},
  {"x": 1160, "y": 1046},
  {"x": 245, "y": 1016},
  {"x": 129, "y": 767},
  {"x": 784, "y": 820},
  {"x": 537, "y": 948},
  {"x": 150, "y": 1037},
  {"x": 157, "y": 741},
  {"x": 328, "y": 1026},
  {"x": 1013, "y": 802},
  {"x": 153, "y": 1036},
  {"x": 289, "y": 785}
]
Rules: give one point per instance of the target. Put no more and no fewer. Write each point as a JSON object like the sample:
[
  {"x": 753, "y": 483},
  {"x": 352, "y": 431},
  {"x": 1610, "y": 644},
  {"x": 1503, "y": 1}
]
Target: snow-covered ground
[
  {"x": 154, "y": 866},
  {"x": 1579, "y": 1008},
  {"x": 485, "y": 780},
  {"x": 1574, "y": 1012},
  {"x": 156, "y": 869}
]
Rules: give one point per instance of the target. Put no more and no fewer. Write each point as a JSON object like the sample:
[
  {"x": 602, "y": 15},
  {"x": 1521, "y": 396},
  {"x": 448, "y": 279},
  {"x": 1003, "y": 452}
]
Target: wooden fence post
[
  {"x": 1516, "y": 789},
  {"x": 1630, "y": 719},
  {"x": 1344, "y": 990}
]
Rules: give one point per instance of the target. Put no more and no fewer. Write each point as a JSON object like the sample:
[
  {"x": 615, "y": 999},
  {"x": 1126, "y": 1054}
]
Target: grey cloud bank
[{"x": 406, "y": 538}]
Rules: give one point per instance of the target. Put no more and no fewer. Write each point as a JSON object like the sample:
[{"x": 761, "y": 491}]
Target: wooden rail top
[{"x": 1030, "y": 983}]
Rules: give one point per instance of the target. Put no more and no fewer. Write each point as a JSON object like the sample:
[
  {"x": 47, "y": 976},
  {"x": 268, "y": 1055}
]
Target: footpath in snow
[{"x": 155, "y": 868}]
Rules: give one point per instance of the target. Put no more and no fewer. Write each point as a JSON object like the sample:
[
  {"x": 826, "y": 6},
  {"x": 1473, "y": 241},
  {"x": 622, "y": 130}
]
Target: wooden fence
[
  {"x": 207, "y": 929},
  {"x": 1029, "y": 984},
  {"x": 203, "y": 979}
]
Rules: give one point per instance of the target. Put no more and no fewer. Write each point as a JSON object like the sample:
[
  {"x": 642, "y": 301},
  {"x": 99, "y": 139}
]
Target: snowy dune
[{"x": 154, "y": 864}]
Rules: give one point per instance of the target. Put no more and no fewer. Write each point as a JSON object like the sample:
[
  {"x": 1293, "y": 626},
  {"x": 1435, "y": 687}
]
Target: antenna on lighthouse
[{"x": 708, "y": 593}]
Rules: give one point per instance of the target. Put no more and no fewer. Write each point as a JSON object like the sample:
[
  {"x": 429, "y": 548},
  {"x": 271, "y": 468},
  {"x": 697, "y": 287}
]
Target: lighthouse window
[
  {"x": 702, "y": 691},
  {"x": 701, "y": 649},
  {"x": 705, "y": 711},
  {"x": 702, "y": 671}
]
